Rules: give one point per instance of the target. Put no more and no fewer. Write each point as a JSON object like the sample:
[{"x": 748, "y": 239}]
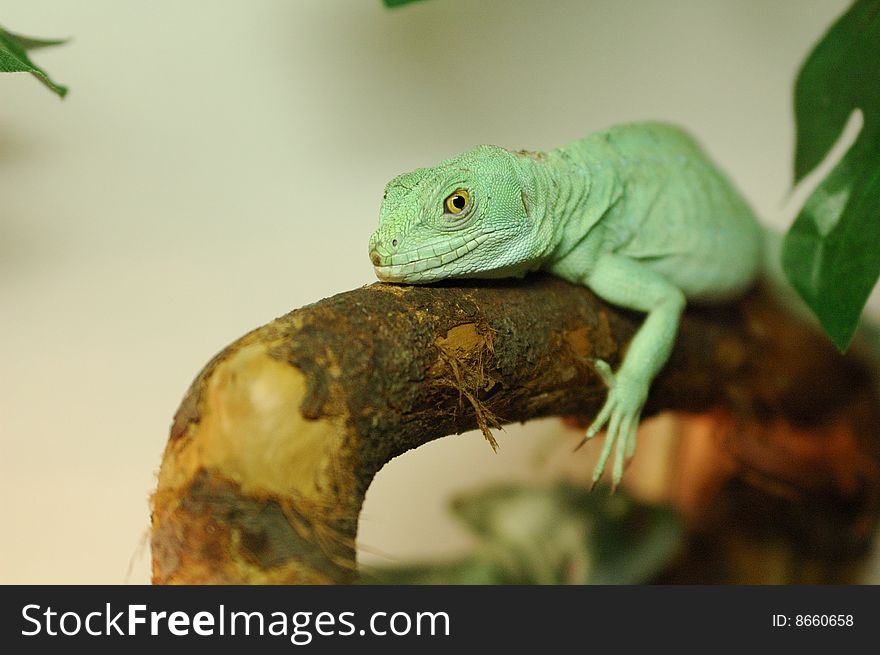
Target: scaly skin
[{"x": 637, "y": 213}]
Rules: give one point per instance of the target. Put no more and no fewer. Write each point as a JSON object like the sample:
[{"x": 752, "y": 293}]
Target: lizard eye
[{"x": 457, "y": 202}]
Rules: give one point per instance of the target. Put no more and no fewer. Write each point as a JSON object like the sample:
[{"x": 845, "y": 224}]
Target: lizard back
[{"x": 666, "y": 204}]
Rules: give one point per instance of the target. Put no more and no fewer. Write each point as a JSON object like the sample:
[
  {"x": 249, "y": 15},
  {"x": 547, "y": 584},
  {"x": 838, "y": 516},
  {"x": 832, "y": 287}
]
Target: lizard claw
[
  {"x": 621, "y": 413},
  {"x": 603, "y": 369}
]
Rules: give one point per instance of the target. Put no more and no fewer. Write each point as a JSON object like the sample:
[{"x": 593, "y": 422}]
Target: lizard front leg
[{"x": 633, "y": 285}]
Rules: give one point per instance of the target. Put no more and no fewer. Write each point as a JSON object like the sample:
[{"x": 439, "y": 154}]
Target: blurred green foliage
[
  {"x": 397, "y": 3},
  {"x": 559, "y": 534},
  {"x": 14, "y": 57}
]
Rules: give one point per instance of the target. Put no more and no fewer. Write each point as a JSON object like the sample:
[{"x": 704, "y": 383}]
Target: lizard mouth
[{"x": 413, "y": 265}]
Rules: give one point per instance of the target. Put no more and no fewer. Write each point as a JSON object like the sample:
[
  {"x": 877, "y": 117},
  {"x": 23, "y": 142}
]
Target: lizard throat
[{"x": 412, "y": 266}]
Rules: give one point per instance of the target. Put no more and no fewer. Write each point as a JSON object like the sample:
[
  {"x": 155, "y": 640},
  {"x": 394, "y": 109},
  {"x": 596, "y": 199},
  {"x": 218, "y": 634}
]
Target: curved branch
[{"x": 277, "y": 440}]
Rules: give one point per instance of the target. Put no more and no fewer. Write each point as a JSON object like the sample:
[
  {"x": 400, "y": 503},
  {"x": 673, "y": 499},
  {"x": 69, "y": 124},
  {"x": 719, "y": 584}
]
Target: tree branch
[{"x": 277, "y": 440}]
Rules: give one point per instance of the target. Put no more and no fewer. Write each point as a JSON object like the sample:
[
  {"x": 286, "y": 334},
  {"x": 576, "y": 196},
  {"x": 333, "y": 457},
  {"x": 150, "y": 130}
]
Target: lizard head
[{"x": 465, "y": 217}]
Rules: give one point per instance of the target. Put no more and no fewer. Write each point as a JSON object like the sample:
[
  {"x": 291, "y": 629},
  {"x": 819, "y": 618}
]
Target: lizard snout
[{"x": 380, "y": 250}]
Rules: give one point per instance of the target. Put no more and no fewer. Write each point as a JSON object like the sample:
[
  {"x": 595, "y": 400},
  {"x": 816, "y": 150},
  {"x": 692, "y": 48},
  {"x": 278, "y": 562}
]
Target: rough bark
[{"x": 278, "y": 438}]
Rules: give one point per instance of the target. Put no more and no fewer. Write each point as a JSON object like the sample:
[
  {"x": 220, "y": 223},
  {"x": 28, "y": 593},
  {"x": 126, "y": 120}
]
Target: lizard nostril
[{"x": 393, "y": 243}]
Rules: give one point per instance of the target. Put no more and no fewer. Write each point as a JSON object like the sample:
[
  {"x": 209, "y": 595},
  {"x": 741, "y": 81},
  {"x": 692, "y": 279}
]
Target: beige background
[{"x": 219, "y": 163}]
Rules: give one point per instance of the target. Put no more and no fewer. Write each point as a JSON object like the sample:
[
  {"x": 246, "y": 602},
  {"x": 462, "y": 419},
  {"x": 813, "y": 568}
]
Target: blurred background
[{"x": 217, "y": 164}]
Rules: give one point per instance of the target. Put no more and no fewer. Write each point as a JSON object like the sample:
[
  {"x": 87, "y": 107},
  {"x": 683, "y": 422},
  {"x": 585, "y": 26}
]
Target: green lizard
[{"x": 637, "y": 213}]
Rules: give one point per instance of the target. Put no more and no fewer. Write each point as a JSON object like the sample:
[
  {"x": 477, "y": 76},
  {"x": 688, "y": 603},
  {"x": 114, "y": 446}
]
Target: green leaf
[
  {"x": 831, "y": 254},
  {"x": 14, "y": 58},
  {"x": 397, "y": 3}
]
